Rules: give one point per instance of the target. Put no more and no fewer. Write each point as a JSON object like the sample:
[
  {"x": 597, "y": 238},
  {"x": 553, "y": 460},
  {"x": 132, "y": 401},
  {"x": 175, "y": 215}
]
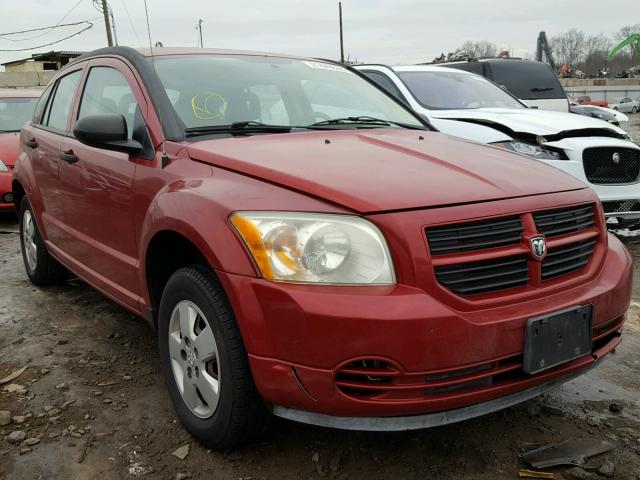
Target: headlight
[
  {"x": 531, "y": 150},
  {"x": 3, "y": 167},
  {"x": 315, "y": 248}
]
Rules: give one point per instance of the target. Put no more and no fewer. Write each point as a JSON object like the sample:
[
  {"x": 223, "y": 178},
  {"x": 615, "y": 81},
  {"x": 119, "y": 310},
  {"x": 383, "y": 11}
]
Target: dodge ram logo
[
  {"x": 538, "y": 247},
  {"x": 616, "y": 158}
]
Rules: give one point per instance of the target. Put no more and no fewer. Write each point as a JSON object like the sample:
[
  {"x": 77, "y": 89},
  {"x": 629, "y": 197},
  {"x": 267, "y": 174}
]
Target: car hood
[
  {"x": 531, "y": 122},
  {"x": 9, "y": 147},
  {"x": 382, "y": 170}
]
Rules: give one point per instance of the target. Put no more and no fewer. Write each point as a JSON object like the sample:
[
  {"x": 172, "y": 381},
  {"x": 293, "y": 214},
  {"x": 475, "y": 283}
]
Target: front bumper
[
  {"x": 6, "y": 204},
  {"x": 300, "y": 337},
  {"x": 623, "y": 200},
  {"x": 428, "y": 420}
]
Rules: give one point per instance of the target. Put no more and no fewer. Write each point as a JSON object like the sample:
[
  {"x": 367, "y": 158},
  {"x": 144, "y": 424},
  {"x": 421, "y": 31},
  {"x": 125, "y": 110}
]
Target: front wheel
[
  {"x": 204, "y": 362},
  {"x": 634, "y": 110},
  {"x": 42, "y": 269}
]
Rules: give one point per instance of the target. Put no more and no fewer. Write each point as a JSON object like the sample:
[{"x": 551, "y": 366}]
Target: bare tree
[
  {"x": 568, "y": 47},
  {"x": 480, "y": 49},
  {"x": 625, "y": 32},
  {"x": 596, "y": 48}
]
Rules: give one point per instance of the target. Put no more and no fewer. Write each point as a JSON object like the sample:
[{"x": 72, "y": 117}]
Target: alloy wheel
[
  {"x": 29, "y": 239},
  {"x": 194, "y": 359}
]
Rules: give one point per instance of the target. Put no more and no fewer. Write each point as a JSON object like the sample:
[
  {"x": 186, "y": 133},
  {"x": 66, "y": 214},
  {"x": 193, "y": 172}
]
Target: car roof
[
  {"x": 416, "y": 68},
  {"x": 167, "y": 51},
  {"x": 20, "y": 93}
]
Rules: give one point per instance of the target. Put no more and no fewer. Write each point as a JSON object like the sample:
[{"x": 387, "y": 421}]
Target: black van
[{"x": 532, "y": 82}]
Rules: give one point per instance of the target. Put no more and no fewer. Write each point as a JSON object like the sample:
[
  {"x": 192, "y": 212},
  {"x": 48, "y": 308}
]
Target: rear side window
[
  {"x": 42, "y": 102},
  {"x": 385, "y": 82},
  {"x": 527, "y": 80},
  {"x": 58, "y": 109},
  {"x": 473, "y": 67},
  {"x": 108, "y": 91}
]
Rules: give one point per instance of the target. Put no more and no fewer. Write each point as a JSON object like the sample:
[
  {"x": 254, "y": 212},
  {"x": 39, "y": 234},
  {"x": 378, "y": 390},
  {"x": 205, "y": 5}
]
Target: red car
[
  {"x": 308, "y": 247},
  {"x": 586, "y": 100},
  {"x": 16, "y": 109}
]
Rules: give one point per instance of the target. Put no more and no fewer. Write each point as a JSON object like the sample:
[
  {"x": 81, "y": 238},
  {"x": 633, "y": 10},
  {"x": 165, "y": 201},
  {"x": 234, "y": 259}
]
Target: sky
[{"x": 381, "y": 31}]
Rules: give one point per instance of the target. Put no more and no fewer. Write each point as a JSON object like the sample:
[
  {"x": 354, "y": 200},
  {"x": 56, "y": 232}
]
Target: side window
[
  {"x": 108, "y": 91},
  {"x": 385, "y": 82},
  {"x": 59, "y": 107}
]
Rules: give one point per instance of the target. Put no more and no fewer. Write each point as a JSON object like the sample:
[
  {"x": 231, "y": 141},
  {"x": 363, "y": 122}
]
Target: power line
[
  {"x": 48, "y": 28},
  {"x": 135, "y": 32},
  {"x": 54, "y": 26},
  {"x": 52, "y": 43}
]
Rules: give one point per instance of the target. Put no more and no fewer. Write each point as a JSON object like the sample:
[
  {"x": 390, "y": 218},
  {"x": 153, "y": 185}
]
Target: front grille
[
  {"x": 567, "y": 259},
  {"x": 621, "y": 206},
  {"x": 485, "y": 276},
  {"x": 561, "y": 222},
  {"x": 474, "y": 235},
  {"x": 609, "y": 165},
  {"x": 492, "y": 255}
]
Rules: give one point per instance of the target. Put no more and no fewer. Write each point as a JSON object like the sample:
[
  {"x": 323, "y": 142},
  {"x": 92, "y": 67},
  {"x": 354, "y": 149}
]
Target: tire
[
  {"x": 236, "y": 414},
  {"x": 42, "y": 269},
  {"x": 634, "y": 110}
]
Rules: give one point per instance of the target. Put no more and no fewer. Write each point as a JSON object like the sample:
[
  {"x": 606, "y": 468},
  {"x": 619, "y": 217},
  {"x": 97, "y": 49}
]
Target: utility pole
[
  {"x": 341, "y": 39},
  {"x": 199, "y": 28},
  {"x": 107, "y": 24},
  {"x": 113, "y": 25}
]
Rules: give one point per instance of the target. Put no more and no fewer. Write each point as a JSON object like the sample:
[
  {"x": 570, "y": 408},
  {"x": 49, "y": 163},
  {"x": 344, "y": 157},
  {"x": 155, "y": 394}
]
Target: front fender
[{"x": 199, "y": 210}]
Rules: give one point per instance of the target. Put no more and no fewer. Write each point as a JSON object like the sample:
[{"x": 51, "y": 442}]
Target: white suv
[{"x": 467, "y": 105}]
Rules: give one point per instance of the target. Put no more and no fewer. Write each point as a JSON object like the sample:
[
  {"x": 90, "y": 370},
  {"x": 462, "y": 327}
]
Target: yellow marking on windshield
[{"x": 201, "y": 104}]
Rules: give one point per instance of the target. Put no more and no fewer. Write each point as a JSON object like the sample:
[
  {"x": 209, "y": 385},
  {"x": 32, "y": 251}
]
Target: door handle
[
  {"x": 68, "y": 156},
  {"x": 31, "y": 143}
]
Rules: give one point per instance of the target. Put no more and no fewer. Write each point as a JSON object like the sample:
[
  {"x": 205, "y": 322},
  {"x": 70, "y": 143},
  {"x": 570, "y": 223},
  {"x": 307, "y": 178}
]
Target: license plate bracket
[{"x": 551, "y": 340}]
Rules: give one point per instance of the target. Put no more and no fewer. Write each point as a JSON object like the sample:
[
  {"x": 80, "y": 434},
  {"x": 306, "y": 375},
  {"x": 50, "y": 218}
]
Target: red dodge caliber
[
  {"x": 307, "y": 247},
  {"x": 16, "y": 108}
]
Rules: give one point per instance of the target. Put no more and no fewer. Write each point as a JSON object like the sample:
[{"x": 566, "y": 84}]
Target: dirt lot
[{"x": 93, "y": 400}]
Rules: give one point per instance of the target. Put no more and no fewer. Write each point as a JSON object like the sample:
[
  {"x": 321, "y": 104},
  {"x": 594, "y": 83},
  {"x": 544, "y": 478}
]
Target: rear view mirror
[{"x": 108, "y": 131}]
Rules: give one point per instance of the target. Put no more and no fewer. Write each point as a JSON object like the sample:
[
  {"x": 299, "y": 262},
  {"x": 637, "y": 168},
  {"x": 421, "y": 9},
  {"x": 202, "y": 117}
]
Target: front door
[{"x": 101, "y": 210}]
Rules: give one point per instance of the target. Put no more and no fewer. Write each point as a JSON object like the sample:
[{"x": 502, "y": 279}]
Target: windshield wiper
[
  {"x": 9, "y": 131},
  {"x": 244, "y": 127},
  {"x": 541, "y": 89},
  {"x": 363, "y": 120}
]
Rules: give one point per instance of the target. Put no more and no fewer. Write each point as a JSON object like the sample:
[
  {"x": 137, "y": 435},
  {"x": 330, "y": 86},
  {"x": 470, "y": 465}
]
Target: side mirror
[{"x": 108, "y": 131}]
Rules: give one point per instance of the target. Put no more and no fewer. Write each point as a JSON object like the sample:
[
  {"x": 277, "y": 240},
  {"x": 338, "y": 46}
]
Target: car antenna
[{"x": 165, "y": 158}]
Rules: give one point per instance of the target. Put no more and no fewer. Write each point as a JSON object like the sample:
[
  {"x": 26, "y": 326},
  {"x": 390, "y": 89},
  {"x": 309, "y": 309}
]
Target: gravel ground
[{"x": 92, "y": 404}]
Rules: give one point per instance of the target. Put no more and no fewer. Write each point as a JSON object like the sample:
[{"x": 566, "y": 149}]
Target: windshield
[
  {"x": 448, "y": 90},
  {"x": 218, "y": 90},
  {"x": 15, "y": 112}
]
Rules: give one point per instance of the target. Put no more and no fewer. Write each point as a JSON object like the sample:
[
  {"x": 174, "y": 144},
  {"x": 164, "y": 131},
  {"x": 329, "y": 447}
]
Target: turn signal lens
[{"x": 315, "y": 248}]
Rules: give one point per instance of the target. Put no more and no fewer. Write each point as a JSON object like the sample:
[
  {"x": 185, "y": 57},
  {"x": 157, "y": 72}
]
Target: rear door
[
  {"x": 42, "y": 141},
  {"x": 101, "y": 209}
]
